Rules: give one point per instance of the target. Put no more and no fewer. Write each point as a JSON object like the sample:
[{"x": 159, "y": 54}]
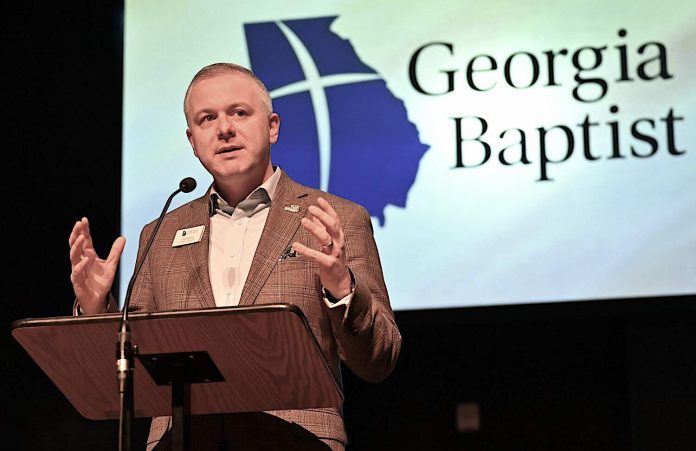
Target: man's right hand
[{"x": 92, "y": 276}]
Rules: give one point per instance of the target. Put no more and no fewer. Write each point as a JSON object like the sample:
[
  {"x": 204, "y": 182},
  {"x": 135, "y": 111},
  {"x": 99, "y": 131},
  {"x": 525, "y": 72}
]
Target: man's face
[{"x": 230, "y": 128}]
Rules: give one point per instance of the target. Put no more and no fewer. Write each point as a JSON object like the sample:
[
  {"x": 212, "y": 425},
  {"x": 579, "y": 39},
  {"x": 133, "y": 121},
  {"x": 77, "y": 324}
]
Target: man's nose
[{"x": 225, "y": 128}]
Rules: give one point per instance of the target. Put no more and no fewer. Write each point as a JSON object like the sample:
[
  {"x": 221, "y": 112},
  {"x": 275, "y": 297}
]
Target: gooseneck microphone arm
[{"x": 124, "y": 348}]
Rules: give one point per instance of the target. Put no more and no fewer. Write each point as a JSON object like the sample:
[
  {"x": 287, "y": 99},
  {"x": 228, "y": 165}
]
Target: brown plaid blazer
[{"x": 367, "y": 339}]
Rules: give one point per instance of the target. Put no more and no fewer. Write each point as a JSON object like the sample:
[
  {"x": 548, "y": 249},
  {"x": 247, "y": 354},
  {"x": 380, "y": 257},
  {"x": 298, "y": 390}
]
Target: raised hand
[
  {"x": 91, "y": 276},
  {"x": 322, "y": 221}
]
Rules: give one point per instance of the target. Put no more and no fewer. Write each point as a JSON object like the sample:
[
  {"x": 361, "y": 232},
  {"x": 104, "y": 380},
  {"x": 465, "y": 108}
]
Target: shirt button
[{"x": 239, "y": 222}]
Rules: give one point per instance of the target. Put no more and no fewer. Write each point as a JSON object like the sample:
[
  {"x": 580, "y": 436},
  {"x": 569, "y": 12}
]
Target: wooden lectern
[{"x": 189, "y": 362}]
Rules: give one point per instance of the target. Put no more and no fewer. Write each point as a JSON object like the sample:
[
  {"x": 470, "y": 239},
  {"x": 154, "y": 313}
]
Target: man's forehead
[
  {"x": 226, "y": 86},
  {"x": 228, "y": 80},
  {"x": 236, "y": 86}
]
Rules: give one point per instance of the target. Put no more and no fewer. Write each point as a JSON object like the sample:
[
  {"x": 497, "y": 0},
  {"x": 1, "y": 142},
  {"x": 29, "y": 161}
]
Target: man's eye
[
  {"x": 208, "y": 118},
  {"x": 240, "y": 113}
]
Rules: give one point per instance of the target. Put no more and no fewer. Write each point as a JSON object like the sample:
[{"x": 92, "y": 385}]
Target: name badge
[{"x": 188, "y": 236}]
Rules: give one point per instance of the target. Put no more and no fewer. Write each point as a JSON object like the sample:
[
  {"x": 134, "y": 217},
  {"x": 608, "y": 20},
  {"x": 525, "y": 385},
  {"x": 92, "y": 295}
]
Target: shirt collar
[{"x": 256, "y": 201}]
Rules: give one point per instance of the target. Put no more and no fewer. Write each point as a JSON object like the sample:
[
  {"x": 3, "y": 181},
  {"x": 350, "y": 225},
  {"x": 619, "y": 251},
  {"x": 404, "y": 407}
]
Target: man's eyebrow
[
  {"x": 212, "y": 110},
  {"x": 202, "y": 110},
  {"x": 242, "y": 104}
]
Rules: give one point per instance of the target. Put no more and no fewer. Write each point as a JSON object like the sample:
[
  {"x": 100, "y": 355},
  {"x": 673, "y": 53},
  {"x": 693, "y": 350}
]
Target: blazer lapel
[
  {"x": 199, "y": 254},
  {"x": 281, "y": 226}
]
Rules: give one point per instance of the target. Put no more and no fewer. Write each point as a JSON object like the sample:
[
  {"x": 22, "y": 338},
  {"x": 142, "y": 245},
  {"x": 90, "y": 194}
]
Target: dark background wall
[{"x": 601, "y": 375}]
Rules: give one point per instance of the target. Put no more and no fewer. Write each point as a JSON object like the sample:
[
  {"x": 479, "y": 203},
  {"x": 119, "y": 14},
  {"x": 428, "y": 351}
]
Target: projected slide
[{"x": 506, "y": 153}]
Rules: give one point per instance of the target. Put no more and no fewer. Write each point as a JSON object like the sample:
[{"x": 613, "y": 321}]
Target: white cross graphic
[{"x": 314, "y": 83}]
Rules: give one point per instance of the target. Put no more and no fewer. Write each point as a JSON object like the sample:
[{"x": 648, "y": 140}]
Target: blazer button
[{"x": 353, "y": 330}]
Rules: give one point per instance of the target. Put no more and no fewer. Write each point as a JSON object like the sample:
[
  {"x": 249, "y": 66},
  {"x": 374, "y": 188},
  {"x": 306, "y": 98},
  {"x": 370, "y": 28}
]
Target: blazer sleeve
[
  {"x": 142, "y": 297},
  {"x": 368, "y": 338}
]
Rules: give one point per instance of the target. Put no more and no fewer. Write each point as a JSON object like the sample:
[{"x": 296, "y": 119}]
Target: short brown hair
[{"x": 214, "y": 69}]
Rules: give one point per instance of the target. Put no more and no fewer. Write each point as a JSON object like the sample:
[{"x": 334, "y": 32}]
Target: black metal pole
[
  {"x": 125, "y": 363},
  {"x": 125, "y": 350},
  {"x": 181, "y": 416}
]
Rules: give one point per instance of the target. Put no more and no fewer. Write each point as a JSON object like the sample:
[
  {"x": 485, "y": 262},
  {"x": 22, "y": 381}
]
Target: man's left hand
[{"x": 322, "y": 221}]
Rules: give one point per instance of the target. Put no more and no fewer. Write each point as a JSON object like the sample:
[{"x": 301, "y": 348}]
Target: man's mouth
[{"x": 228, "y": 149}]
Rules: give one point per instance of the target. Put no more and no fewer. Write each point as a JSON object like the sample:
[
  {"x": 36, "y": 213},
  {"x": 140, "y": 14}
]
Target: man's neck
[{"x": 234, "y": 190}]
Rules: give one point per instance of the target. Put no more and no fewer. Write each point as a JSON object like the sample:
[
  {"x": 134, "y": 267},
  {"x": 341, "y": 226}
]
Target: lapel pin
[{"x": 293, "y": 208}]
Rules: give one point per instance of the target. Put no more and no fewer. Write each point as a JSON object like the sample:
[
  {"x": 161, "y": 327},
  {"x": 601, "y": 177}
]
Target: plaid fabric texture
[{"x": 366, "y": 338}]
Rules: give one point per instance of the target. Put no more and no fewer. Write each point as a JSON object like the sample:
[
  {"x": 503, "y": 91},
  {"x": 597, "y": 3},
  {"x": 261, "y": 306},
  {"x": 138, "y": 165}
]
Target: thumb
[{"x": 116, "y": 249}]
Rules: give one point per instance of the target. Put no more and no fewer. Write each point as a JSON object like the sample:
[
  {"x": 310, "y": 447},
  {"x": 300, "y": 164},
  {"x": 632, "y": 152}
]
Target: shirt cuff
[
  {"x": 77, "y": 310},
  {"x": 332, "y": 302}
]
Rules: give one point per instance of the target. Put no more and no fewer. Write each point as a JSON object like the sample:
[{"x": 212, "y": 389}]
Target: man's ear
[
  {"x": 273, "y": 127},
  {"x": 189, "y": 136}
]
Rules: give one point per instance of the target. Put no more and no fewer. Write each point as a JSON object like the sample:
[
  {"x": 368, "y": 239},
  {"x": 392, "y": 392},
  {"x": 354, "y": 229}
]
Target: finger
[
  {"x": 77, "y": 249},
  {"x": 326, "y": 206},
  {"x": 90, "y": 254},
  {"x": 316, "y": 256},
  {"x": 77, "y": 275},
  {"x": 83, "y": 228},
  {"x": 77, "y": 230},
  {"x": 318, "y": 230},
  {"x": 329, "y": 221},
  {"x": 321, "y": 226},
  {"x": 315, "y": 220},
  {"x": 326, "y": 244}
]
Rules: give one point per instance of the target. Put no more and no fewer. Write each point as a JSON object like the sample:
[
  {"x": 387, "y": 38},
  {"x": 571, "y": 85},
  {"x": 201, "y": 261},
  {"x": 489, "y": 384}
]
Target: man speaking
[{"x": 264, "y": 239}]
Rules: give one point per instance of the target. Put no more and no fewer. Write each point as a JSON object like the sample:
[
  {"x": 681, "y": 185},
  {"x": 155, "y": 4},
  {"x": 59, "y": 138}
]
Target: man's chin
[{"x": 238, "y": 171}]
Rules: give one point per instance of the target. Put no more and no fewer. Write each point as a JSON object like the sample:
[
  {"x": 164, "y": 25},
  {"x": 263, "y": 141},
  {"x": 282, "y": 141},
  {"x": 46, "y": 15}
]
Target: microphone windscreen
[{"x": 187, "y": 185}]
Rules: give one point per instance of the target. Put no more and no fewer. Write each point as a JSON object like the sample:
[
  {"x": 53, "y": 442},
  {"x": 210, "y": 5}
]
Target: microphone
[
  {"x": 124, "y": 348},
  {"x": 187, "y": 185}
]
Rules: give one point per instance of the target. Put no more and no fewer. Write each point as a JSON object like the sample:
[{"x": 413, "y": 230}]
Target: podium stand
[{"x": 189, "y": 362}]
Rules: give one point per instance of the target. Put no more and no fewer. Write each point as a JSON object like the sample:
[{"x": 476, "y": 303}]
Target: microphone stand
[{"x": 125, "y": 350}]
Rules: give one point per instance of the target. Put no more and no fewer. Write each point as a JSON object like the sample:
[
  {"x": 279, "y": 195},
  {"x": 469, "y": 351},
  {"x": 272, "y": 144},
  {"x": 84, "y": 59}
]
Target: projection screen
[{"x": 508, "y": 152}]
